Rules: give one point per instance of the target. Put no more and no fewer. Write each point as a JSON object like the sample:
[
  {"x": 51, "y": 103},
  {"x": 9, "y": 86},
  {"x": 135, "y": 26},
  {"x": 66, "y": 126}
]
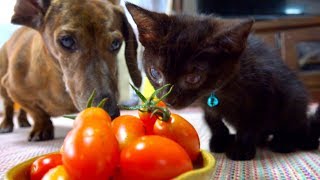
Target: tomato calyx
[
  {"x": 91, "y": 98},
  {"x": 89, "y": 104},
  {"x": 150, "y": 105},
  {"x": 162, "y": 113}
]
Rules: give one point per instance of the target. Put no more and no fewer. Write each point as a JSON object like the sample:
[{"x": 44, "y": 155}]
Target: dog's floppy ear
[
  {"x": 131, "y": 46},
  {"x": 30, "y": 12}
]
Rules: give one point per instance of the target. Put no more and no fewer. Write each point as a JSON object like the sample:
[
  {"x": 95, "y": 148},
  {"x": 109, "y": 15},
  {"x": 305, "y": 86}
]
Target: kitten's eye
[
  {"x": 68, "y": 42},
  {"x": 193, "y": 78},
  {"x": 156, "y": 75}
]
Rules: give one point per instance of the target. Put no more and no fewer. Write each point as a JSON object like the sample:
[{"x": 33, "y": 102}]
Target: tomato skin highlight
[
  {"x": 43, "y": 164},
  {"x": 181, "y": 131},
  {"x": 153, "y": 158},
  {"x": 92, "y": 115},
  {"x": 127, "y": 128},
  {"x": 57, "y": 173},
  {"x": 90, "y": 150}
]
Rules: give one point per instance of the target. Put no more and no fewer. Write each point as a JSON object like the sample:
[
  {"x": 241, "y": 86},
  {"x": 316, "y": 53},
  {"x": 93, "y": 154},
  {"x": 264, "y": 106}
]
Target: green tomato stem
[
  {"x": 137, "y": 107},
  {"x": 91, "y": 98},
  {"x": 150, "y": 104},
  {"x": 163, "y": 112},
  {"x": 102, "y": 102},
  {"x": 139, "y": 94},
  {"x": 70, "y": 116}
]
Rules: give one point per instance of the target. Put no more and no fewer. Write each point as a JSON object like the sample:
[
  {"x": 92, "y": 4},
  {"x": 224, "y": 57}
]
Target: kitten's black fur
[{"x": 259, "y": 95}]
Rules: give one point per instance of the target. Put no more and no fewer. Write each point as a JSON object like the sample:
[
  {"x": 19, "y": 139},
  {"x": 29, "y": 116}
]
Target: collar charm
[{"x": 212, "y": 100}]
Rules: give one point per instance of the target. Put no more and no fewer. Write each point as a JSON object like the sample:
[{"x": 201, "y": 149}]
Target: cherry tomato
[
  {"x": 57, "y": 173},
  {"x": 43, "y": 164},
  {"x": 90, "y": 150},
  {"x": 181, "y": 131},
  {"x": 92, "y": 115},
  {"x": 149, "y": 120},
  {"x": 153, "y": 158},
  {"x": 127, "y": 128}
]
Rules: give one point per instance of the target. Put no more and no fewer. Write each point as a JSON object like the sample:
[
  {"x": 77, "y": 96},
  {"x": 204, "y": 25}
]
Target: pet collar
[{"x": 212, "y": 100}]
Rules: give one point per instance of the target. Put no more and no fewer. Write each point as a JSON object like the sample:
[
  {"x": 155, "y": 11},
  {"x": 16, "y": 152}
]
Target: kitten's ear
[
  {"x": 150, "y": 24},
  {"x": 233, "y": 39}
]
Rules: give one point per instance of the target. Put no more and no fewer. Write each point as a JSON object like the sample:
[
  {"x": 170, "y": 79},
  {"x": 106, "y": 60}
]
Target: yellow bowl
[
  {"x": 205, "y": 168},
  {"x": 203, "y": 171}
]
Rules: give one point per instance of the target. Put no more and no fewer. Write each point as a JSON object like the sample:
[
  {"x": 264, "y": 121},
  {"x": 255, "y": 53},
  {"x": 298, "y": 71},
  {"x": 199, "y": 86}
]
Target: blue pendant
[{"x": 212, "y": 100}]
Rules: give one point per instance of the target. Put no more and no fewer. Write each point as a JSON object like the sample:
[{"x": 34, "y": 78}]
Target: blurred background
[
  {"x": 292, "y": 27},
  {"x": 262, "y": 9},
  {"x": 6, "y": 28}
]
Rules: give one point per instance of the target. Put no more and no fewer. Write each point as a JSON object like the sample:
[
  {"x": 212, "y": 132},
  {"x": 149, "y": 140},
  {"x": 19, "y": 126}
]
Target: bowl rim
[
  {"x": 12, "y": 172},
  {"x": 209, "y": 163}
]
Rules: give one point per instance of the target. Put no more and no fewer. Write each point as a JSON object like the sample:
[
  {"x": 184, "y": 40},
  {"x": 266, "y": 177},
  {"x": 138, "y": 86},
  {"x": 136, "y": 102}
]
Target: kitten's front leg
[
  {"x": 243, "y": 147},
  {"x": 221, "y": 137}
]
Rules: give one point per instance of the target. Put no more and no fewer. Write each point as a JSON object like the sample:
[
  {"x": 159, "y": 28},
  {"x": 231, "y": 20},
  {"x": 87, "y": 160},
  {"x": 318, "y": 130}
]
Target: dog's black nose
[
  {"x": 115, "y": 113},
  {"x": 111, "y": 106}
]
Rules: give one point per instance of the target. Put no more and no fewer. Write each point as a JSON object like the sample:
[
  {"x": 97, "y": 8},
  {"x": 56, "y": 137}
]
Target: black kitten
[{"x": 235, "y": 76}]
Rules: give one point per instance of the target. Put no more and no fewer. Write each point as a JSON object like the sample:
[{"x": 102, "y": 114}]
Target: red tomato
[
  {"x": 153, "y": 158},
  {"x": 182, "y": 132},
  {"x": 57, "y": 173},
  {"x": 92, "y": 115},
  {"x": 43, "y": 164},
  {"x": 127, "y": 128},
  {"x": 149, "y": 120},
  {"x": 90, "y": 150}
]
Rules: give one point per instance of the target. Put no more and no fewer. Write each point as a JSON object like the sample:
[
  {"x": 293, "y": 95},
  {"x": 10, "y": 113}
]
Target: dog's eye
[
  {"x": 156, "y": 75},
  {"x": 68, "y": 43},
  {"x": 115, "y": 45}
]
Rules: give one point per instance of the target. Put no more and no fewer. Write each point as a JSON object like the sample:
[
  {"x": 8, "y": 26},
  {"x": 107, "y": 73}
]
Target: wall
[
  {"x": 6, "y": 28},
  {"x": 311, "y": 6},
  {"x": 190, "y": 6}
]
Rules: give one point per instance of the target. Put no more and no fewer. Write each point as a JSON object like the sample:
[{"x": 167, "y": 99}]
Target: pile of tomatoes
[{"x": 150, "y": 146}]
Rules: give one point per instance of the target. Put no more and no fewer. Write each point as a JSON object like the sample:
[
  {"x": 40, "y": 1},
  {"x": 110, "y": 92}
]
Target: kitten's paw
[
  {"x": 42, "y": 134},
  {"x": 220, "y": 144},
  {"x": 241, "y": 153},
  {"x": 6, "y": 127}
]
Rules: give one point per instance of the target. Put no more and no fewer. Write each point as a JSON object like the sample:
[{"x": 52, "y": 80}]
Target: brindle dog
[{"x": 65, "y": 50}]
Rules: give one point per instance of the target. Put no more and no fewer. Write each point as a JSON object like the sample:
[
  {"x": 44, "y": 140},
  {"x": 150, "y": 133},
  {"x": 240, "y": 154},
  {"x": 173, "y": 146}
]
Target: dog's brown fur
[{"x": 49, "y": 80}]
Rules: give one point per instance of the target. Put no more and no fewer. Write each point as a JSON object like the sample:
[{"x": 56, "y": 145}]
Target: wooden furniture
[{"x": 285, "y": 34}]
